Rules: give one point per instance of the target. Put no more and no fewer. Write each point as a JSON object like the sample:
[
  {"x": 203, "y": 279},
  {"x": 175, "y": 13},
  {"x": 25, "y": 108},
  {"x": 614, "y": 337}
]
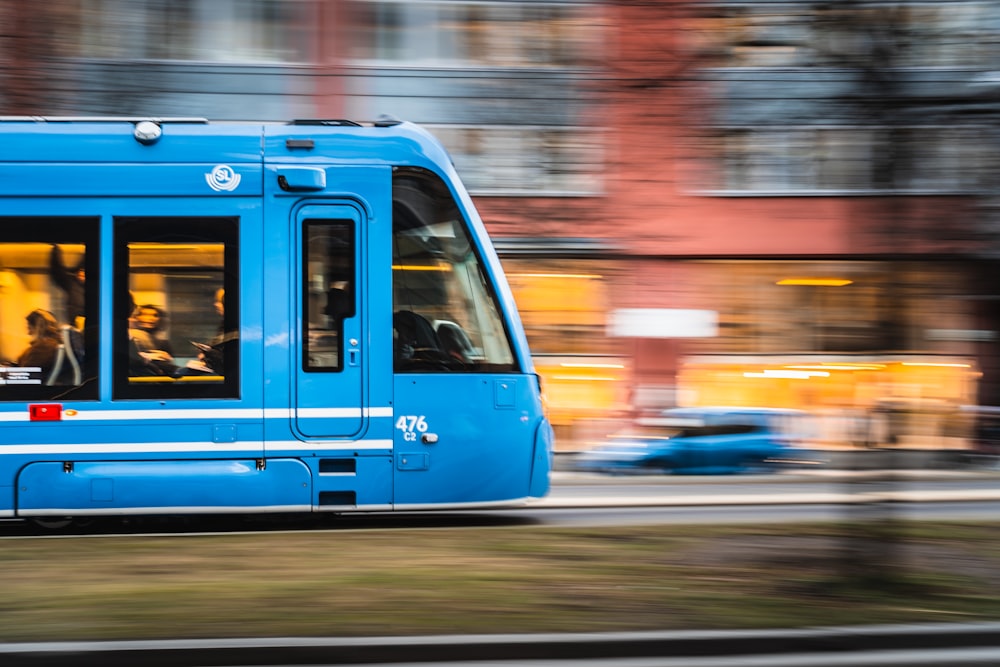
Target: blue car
[{"x": 705, "y": 441}]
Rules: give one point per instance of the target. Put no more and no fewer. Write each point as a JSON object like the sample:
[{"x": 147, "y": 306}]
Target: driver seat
[{"x": 413, "y": 332}]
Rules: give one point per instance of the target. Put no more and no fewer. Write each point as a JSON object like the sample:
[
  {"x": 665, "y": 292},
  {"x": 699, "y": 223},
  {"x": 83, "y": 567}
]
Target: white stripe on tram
[
  {"x": 249, "y": 449},
  {"x": 74, "y": 414}
]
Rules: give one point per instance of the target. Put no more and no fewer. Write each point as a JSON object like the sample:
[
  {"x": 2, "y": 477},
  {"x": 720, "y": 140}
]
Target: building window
[
  {"x": 545, "y": 51},
  {"x": 748, "y": 35},
  {"x": 525, "y": 159},
  {"x": 795, "y": 34},
  {"x": 475, "y": 34},
  {"x": 265, "y": 31},
  {"x": 853, "y": 159}
]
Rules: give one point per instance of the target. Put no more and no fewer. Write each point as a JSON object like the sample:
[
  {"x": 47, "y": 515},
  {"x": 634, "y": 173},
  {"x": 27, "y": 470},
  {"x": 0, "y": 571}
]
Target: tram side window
[
  {"x": 329, "y": 296},
  {"x": 446, "y": 316},
  {"x": 176, "y": 321},
  {"x": 48, "y": 308}
]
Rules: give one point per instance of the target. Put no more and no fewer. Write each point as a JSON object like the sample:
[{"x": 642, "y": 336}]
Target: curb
[
  {"x": 847, "y": 460},
  {"x": 575, "y": 478},
  {"x": 380, "y": 650},
  {"x": 849, "y": 488},
  {"x": 860, "y": 498}
]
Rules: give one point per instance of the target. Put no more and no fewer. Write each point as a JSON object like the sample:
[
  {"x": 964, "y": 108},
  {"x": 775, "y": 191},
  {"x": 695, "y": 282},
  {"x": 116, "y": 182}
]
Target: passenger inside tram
[
  {"x": 173, "y": 270},
  {"x": 72, "y": 281},
  {"x": 179, "y": 328},
  {"x": 43, "y": 329},
  {"x": 212, "y": 353},
  {"x": 38, "y": 348}
]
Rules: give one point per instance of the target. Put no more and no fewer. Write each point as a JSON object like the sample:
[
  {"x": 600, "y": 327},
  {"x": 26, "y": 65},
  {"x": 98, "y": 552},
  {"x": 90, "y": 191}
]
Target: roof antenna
[{"x": 385, "y": 120}]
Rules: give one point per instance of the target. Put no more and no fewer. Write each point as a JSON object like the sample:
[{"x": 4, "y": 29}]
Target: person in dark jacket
[
  {"x": 45, "y": 341},
  {"x": 72, "y": 281}
]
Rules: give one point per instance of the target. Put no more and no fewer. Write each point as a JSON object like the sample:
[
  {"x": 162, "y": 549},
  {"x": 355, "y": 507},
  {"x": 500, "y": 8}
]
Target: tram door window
[
  {"x": 446, "y": 316},
  {"x": 329, "y": 294},
  {"x": 48, "y": 308},
  {"x": 176, "y": 317}
]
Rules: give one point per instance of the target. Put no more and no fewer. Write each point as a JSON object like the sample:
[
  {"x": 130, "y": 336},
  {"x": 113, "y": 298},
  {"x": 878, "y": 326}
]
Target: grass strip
[{"x": 496, "y": 580}]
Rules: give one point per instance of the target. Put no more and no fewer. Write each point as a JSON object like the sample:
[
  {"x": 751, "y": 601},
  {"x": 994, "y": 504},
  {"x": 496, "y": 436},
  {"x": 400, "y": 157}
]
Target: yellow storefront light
[
  {"x": 771, "y": 373},
  {"x": 935, "y": 365},
  {"x": 575, "y": 276},
  {"x": 840, "y": 367},
  {"x": 581, "y": 365},
  {"x": 815, "y": 282}
]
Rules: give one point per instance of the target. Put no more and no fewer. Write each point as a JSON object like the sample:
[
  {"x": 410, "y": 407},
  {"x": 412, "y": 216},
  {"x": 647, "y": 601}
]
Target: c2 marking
[{"x": 410, "y": 425}]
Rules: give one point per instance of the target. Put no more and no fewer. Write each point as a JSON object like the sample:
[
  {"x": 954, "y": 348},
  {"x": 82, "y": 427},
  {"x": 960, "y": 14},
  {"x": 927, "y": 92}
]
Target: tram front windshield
[{"x": 446, "y": 316}]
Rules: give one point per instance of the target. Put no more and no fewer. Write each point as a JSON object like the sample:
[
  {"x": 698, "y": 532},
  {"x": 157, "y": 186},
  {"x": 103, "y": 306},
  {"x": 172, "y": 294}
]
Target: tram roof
[{"x": 149, "y": 140}]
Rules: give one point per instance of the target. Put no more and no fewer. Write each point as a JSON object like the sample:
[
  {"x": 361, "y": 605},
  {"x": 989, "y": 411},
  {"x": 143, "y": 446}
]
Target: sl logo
[{"x": 223, "y": 178}]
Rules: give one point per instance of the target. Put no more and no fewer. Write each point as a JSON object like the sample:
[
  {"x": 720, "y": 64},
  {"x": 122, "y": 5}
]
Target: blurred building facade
[{"x": 767, "y": 202}]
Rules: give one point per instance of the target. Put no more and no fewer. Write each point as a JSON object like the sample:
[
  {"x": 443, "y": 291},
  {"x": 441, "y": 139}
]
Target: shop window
[{"x": 563, "y": 304}]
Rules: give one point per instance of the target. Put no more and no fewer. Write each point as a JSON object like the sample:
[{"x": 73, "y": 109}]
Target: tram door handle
[{"x": 353, "y": 353}]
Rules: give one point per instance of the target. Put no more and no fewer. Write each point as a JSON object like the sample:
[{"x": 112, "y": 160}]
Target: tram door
[{"x": 329, "y": 377}]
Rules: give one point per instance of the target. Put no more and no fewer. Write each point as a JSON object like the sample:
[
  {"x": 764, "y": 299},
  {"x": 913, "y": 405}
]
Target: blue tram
[{"x": 204, "y": 317}]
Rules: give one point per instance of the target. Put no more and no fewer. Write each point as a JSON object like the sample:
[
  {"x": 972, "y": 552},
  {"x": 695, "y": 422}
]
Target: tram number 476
[{"x": 410, "y": 425}]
